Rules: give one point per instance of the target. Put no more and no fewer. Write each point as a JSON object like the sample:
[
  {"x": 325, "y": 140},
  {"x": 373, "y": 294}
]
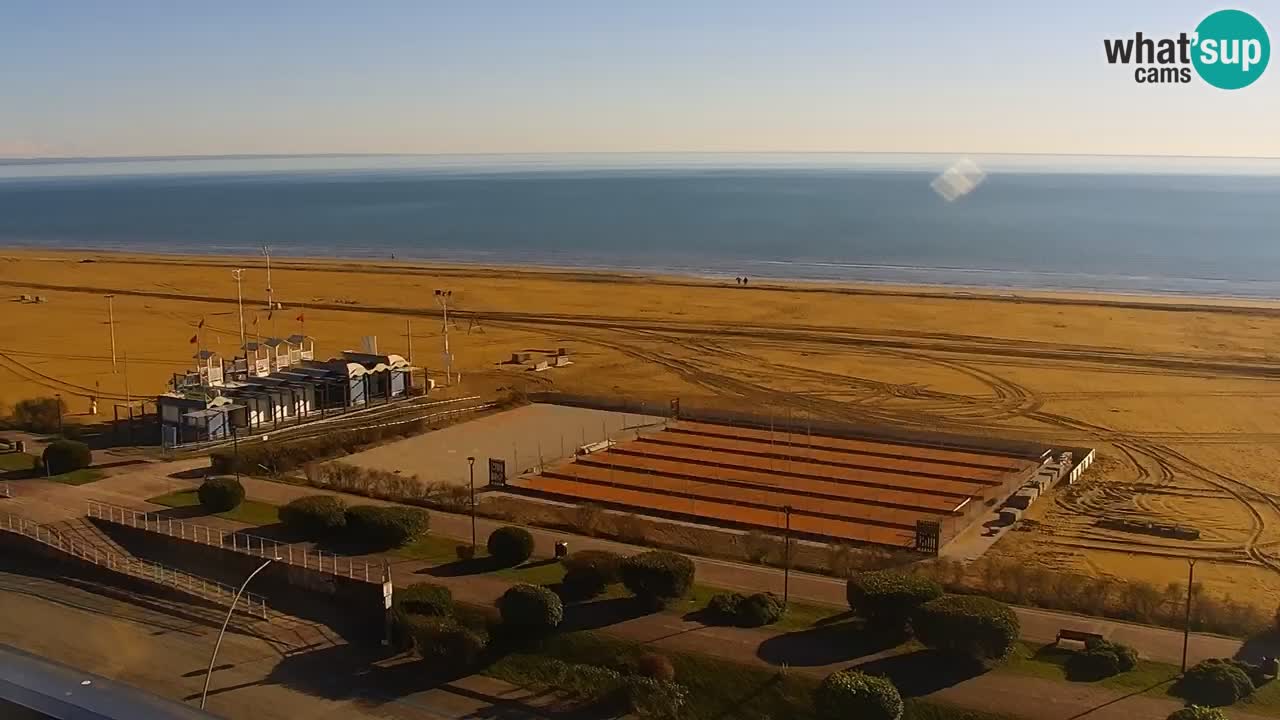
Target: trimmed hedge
[
  {"x": 724, "y": 606},
  {"x": 887, "y": 597},
  {"x": 1196, "y": 712},
  {"x": 1101, "y": 659},
  {"x": 588, "y": 572},
  {"x": 969, "y": 626},
  {"x": 220, "y": 494},
  {"x": 444, "y": 644},
  {"x": 530, "y": 610},
  {"x": 510, "y": 545},
  {"x": 386, "y": 527},
  {"x": 1214, "y": 682},
  {"x": 746, "y": 610},
  {"x": 849, "y": 694},
  {"x": 61, "y": 456},
  {"x": 425, "y": 599},
  {"x": 658, "y": 576},
  {"x": 315, "y": 516}
]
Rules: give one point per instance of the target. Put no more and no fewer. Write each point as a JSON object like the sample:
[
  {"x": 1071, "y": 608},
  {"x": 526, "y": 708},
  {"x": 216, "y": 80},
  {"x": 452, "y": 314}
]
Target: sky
[{"x": 178, "y": 77}]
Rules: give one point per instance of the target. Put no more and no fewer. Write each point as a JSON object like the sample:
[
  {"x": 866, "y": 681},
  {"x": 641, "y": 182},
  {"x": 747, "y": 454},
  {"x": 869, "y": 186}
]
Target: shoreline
[{"x": 1138, "y": 299}]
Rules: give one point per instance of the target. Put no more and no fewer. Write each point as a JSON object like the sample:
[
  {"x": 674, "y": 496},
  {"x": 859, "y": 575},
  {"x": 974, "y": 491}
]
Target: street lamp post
[
  {"x": 442, "y": 297},
  {"x": 471, "y": 470},
  {"x": 786, "y": 561},
  {"x": 1186, "y": 627},
  {"x": 58, "y": 398},
  {"x": 204, "y": 696},
  {"x": 237, "y": 273},
  {"x": 111, "y": 321},
  {"x": 235, "y": 449}
]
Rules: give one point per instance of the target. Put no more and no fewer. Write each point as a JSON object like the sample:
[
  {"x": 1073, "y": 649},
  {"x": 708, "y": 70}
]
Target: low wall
[{"x": 352, "y": 607}]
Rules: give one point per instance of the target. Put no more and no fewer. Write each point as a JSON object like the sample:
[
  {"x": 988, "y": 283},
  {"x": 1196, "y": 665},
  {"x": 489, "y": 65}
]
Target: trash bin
[
  {"x": 562, "y": 549},
  {"x": 20, "y": 446}
]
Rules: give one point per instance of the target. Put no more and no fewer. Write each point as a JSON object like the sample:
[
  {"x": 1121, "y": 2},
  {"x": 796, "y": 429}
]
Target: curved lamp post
[{"x": 204, "y": 696}]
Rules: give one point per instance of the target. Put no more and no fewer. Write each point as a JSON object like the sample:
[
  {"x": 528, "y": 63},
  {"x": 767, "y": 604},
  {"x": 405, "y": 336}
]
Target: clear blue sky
[{"x": 145, "y": 77}]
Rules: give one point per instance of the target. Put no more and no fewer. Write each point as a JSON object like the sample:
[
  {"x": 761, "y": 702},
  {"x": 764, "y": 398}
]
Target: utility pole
[
  {"x": 471, "y": 468},
  {"x": 111, "y": 320},
  {"x": 786, "y": 561},
  {"x": 266, "y": 250},
  {"x": 1186, "y": 627},
  {"x": 408, "y": 337},
  {"x": 442, "y": 297},
  {"x": 237, "y": 273}
]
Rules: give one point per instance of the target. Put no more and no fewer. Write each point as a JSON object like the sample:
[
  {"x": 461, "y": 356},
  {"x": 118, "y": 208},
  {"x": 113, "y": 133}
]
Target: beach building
[{"x": 274, "y": 382}]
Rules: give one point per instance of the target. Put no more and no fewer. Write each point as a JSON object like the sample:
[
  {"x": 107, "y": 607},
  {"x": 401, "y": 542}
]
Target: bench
[{"x": 1083, "y": 636}]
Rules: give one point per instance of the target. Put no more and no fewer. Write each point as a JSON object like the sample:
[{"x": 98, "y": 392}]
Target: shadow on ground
[
  {"x": 921, "y": 672},
  {"x": 828, "y": 644},
  {"x": 458, "y": 568},
  {"x": 602, "y": 613}
]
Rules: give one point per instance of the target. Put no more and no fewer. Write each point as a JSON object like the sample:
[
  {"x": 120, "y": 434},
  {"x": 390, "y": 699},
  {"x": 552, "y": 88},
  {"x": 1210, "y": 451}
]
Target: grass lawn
[
  {"x": 431, "y": 549},
  {"x": 717, "y": 688},
  {"x": 16, "y": 461},
  {"x": 77, "y": 477},
  {"x": 250, "y": 512}
]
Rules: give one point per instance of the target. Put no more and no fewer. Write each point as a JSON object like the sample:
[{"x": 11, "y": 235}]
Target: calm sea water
[{"x": 1182, "y": 231}]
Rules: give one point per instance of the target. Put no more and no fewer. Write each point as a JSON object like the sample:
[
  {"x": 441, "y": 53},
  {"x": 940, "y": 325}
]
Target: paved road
[
  {"x": 139, "y": 645},
  {"x": 50, "y": 502}
]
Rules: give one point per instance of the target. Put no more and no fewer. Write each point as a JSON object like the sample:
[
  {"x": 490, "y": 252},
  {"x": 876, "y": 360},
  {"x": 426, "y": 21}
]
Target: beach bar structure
[{"x": 275, "y": 382}]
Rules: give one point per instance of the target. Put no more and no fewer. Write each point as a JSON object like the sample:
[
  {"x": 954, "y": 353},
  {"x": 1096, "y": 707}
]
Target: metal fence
[
  {"x": 251, "y": 604},
  {"x": 255, "y": 545}
]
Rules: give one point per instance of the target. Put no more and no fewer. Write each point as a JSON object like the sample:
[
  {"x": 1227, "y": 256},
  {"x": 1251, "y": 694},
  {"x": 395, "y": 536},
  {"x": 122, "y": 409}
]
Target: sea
[{"x": 1189, "y": 226}]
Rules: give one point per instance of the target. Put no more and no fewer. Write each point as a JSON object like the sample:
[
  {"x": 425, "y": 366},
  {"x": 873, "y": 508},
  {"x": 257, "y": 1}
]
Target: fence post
[
  {"x": 290, "y": 554},
  {"x": 170, "y": 527},
  {"x": 366, "y": 572}
]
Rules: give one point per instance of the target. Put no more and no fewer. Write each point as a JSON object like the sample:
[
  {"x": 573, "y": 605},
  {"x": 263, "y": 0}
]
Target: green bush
[
  {"x": 1093, "y": 664},
  {"x": 969, "y": 626},
  {"x": 724, "y": 606},
  {"x": 510, "y": 545},
  {"x": 1126, "y": 657},
  {"x": 759, "y": 610},
  {"x": 650, "y": 698},
  {"x": 425, "y": 599},
  {"x": 657, "y": 577},
  {"x": 885, "y": 597},
  {"x": 588, "y": 572},
  {"x": 849, "y": 694},
  {"x": 530, "y": 610},
  {"x": 1214, "y": 682},
  {"x": 62, "y": 456},
  {"x": 1196, "y": 712},
  {"x": 220, "y": 494},
  {"x": 386, "y": 527},
  {"x": 315, "y": 516},
  {"x": 40, "y": 415},
  {"x": 444, "y": 644},
  {"x": 658, "y": 667}
]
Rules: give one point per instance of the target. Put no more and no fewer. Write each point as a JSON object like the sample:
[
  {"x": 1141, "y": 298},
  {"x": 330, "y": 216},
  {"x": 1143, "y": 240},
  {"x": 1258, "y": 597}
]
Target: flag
[
  {"x": 194, "y": 339},
  {"x": 201, "y": 325}
]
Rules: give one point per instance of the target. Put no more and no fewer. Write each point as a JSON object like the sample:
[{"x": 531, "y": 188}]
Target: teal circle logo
[{"x": 1231, "y": 49}]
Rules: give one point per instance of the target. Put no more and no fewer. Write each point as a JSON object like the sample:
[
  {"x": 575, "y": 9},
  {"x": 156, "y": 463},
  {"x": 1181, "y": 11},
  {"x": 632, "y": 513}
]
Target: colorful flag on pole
[{"x": 194, "y": 339}]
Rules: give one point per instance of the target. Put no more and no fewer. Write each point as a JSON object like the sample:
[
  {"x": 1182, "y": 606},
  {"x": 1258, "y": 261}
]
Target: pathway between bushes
[{"x": 816, "y": 651}]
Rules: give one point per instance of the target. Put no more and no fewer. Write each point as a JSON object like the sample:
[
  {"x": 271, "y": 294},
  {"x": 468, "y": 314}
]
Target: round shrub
[
  {"x": 445, "y": 644},
  {"x": 759, "y": 610},
  {"x": 587, "y": 573},
  {"x": 1093, "y": 664},
  {"x": 657, "y": 577},
  {"x": 724, "y": 606},
  {"x": 848, "y": 694},
  {"x": 386, "y": 527},
  {"x": 886, "y": 597},
  {"x": 1215, "y": 682},
  {"x": 1126, "y": 657},
  {"x": 62, "y": 456},
  {"x": 658, "y": 667},
  {"x": 969, "y": 626},
  {"x": 220, "y": 494},
  {"x": 1196, "y": 712},
  {"x": 510, "y": 545},
  {"x": 425, "y": 599},
  {"x": 315, "y": 516},
  {"x": 530, "y": 609}
]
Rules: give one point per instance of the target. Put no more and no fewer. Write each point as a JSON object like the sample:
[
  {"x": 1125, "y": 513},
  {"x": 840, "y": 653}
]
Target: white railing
[
  {"x": 262, "y": 366},
  {"x": 251, "y": 603},
  {"x": 255, "y": 545}
]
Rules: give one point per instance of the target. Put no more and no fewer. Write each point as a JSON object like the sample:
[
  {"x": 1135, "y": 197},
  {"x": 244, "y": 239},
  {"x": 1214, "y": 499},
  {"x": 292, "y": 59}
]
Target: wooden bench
[{"x": 1083, "y": 636}]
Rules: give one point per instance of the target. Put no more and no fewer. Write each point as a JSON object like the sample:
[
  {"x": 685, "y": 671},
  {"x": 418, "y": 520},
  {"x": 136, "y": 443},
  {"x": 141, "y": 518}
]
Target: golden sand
[{"x": 1178, "y": 395}]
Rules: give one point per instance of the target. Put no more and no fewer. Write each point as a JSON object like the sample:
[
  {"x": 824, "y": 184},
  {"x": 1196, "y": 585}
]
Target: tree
[
  {"x": 849, "y": 694},
  {"x": 61, "y": 456},
  {"x": 220, "y": 494},
  {"x": 510, "y": 545},
  {"x": 970, "y": 626}
]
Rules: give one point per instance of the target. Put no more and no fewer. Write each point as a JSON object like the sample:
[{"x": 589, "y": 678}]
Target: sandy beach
[{"x": 1177, "y": 393}]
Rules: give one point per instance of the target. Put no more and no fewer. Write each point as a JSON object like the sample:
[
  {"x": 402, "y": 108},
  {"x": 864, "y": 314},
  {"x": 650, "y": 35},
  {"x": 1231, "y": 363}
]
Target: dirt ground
[{"x": 1178, "y": 395}]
